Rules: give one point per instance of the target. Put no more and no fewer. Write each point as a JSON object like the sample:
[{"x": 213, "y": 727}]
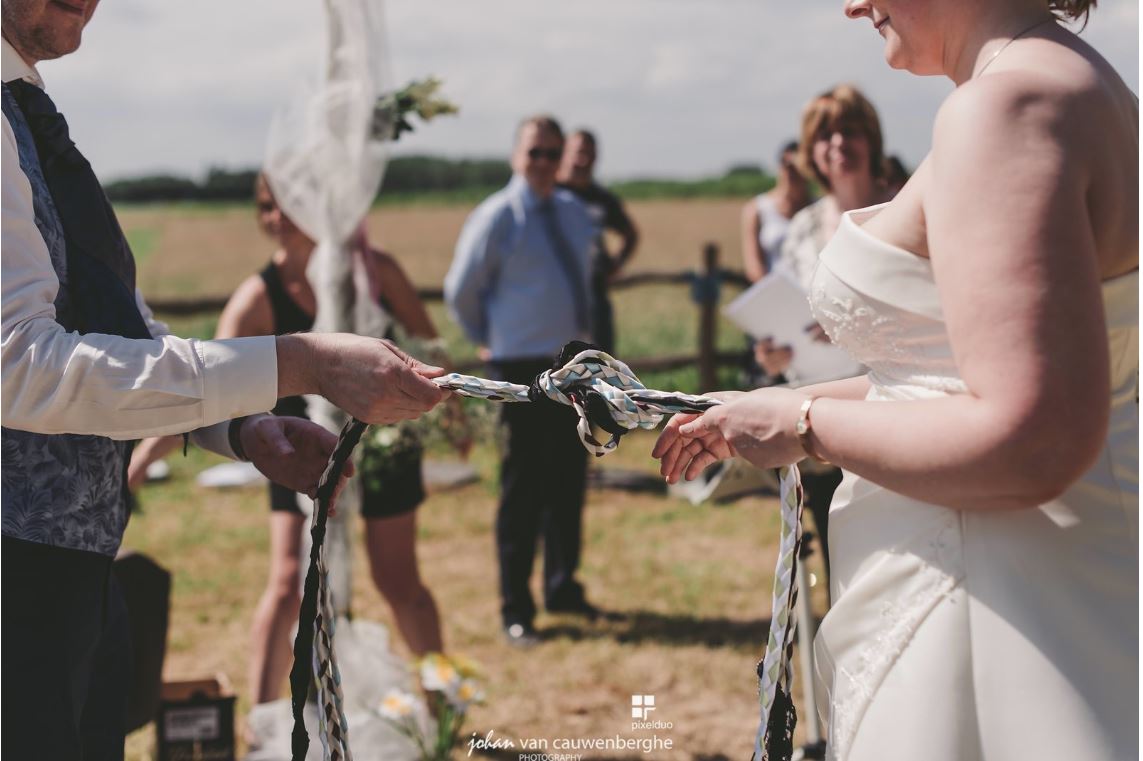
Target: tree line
[{"x": 426, "y": 177}]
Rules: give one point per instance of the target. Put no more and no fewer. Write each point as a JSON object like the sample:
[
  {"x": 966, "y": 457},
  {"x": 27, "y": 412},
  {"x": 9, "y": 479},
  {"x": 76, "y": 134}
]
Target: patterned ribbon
[{"x": 605, "y": 392}]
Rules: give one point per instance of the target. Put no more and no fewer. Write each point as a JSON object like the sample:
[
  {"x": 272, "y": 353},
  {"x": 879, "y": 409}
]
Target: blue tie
[{"x": 567, "y": 260}]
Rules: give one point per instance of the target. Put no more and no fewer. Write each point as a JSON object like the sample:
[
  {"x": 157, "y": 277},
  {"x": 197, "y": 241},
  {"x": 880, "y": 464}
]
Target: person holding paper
[
  {"x": 841, "y": 148},
  {"x": 766, "y": 217},
  {"x": 986, "y": 536}
]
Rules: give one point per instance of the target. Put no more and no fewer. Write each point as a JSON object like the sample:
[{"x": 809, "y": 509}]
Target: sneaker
[{"x": 520, "y": 635}]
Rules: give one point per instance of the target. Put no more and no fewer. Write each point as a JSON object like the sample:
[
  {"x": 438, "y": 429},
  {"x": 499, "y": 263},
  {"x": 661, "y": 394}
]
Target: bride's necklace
[{"x": 1005, "y": 45}]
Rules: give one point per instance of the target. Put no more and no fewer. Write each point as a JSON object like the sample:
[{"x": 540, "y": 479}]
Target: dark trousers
[
  {"x": 66, "y": 655},
  {"x": 542, "y": 482},
  {"x": 819, "y": 489},
  {"x": 602, "y": 315}
]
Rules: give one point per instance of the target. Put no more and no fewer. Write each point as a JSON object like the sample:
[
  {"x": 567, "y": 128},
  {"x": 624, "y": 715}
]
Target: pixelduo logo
[{"x": 641, "y": 706}]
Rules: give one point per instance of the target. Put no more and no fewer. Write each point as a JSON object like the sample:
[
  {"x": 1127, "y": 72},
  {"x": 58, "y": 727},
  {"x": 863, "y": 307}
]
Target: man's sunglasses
[{"x": 551, "y": 154}]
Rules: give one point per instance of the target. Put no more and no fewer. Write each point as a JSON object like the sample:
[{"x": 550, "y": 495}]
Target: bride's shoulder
[
  {"x": 1020, "y": 112},
  {"x": 1062, "y": 93}
]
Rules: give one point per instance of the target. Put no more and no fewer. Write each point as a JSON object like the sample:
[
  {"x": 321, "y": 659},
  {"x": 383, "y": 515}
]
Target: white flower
[
  {"x": 387, "y": 436},
  {"x": 467, "y": 693},
  {"x": 439, "y": 675},
  {"x": 397, "y": 705}
]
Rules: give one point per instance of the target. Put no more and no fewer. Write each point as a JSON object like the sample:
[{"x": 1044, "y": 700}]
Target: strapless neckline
[{"x": 1120, "y": 293}]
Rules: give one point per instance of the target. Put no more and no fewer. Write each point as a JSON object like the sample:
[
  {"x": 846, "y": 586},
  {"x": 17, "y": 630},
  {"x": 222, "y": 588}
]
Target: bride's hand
[
  {"x": 759, "y": 427},
  {"x": 670, "y": 445}
]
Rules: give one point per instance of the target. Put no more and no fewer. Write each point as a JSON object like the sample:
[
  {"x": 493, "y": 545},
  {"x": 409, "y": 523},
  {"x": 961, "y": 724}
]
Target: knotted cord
[{"x": 605, "y": 392}]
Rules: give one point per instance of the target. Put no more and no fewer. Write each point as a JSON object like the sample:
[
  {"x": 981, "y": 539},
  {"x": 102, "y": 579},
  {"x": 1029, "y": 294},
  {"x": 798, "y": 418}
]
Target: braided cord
[
  {"x": 589, "y": 375},
  {"x": 333, "y": 728},
  {"x": 313, "y": 645},
  {"x": 776, "y": 669},
  {"x": 602, "y": 390}
]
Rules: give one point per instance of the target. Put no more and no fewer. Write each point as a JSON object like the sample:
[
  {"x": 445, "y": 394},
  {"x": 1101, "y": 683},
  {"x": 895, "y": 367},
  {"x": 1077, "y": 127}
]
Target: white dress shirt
[{"x": 55, "y": 381}]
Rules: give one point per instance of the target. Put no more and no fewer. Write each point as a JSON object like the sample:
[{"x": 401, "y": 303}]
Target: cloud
[{"x": 674, "y": 87}]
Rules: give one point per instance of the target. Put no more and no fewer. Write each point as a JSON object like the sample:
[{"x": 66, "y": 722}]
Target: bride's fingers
[
  {"x": 670, "y": 457},
  {"x": 699, "y": 463},
  {"x": 670, "y": 433},
  {"x": 680, "y": 459},
  {"x": 668, "y": 437},
  {"x": 699, "y": 426}
]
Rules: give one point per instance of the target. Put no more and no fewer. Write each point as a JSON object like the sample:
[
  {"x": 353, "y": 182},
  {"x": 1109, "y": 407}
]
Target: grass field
[
  {"x": 692, "y": 584},
  {"x": 202, "y": 250}
]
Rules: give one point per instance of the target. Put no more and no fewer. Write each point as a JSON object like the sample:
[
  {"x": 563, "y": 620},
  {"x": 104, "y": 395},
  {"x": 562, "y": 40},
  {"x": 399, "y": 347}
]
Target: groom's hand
[
  {"x": 290, "y": 451},
  {"x": 369, "y": 378}
]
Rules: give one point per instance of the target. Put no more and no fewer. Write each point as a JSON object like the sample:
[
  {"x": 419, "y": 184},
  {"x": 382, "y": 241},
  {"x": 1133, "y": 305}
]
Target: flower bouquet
[
  {"x": 451, "y": 688},
  {"x": 393, "y": 110}
]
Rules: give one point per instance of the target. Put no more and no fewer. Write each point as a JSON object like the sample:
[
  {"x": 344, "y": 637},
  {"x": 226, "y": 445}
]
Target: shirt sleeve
[
  {"x": 213, "y": 438},
  {"x": 54, "y": 381},
  {"x": 472, "y": 275}
]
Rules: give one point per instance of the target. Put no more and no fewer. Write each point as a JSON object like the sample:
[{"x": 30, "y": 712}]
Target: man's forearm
[{"x": 296, "y": 374}]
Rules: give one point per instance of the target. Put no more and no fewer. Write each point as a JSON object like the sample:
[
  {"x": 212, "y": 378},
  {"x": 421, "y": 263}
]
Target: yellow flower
[
  {"x": 469, "y": 692},
  {"x": 438, "y": 674},
  {"x": 467, "y": 667},
  {"x": 396, "y": 705}
]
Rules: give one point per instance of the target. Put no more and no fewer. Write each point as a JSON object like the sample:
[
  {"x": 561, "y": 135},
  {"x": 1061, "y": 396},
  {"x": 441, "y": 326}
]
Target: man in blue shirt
[{"x": 519, "y": 285}]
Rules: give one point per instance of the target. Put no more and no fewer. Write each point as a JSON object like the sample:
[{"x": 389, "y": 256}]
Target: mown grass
[{"x": 691, "y": 584}]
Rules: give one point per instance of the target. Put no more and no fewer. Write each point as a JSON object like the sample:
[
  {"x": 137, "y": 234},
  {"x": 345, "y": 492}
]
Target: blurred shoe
[
  {"x": 578, "y": 608},
  {"x": 522, "y": 636}
]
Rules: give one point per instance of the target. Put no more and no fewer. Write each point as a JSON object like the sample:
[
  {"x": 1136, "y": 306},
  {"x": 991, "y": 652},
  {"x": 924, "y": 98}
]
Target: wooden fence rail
[{"x": 705, "y": 284}]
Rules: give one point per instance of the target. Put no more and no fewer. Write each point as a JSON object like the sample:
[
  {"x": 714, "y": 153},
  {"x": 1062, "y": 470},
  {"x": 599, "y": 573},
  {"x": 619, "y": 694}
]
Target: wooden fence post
[{"x": 707, "y": 291}]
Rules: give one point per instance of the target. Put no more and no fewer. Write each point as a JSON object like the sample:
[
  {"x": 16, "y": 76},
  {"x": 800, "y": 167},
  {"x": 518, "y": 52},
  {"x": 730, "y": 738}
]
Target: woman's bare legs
[
  {"x": 271, "y": 652},
  {"x": 391, "y": 545}
]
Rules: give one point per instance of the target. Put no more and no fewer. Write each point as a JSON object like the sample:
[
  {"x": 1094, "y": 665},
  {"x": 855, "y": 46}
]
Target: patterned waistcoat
[{"x": 64, "y": 490}]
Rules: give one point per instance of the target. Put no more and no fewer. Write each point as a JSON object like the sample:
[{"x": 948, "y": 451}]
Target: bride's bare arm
[
  {"x": 847, "y": 388},
  {"x": 1016, "y": 265},
  {"x": 1015, "y": 262}
]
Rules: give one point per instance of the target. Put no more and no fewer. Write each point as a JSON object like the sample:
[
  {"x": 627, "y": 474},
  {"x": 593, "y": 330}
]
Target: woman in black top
[{"x": 279, "y": 300}]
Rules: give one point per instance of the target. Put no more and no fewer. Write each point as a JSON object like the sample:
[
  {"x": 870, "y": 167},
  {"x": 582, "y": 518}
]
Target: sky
[{"x": 673, "y": 88}]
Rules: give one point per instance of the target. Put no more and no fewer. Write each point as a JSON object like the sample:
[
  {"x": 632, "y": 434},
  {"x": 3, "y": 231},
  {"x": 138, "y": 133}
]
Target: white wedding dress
[{"x": 962, "y": 635}]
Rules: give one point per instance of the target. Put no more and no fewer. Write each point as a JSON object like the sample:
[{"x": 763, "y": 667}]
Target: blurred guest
[
  {"x": 766, "y": 217},
  {"x": 520, "y": 285},
  {"x": 765, "y": 221},
  {"x": 895, "y": 175},
  {"x": 577, "y": 174},
  {"x": 841, "y": 148},
  {"x": 278, "y": 301}
]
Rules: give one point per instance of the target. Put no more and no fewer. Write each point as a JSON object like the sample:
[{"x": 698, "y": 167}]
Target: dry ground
[{"x": 692, "y": 583}]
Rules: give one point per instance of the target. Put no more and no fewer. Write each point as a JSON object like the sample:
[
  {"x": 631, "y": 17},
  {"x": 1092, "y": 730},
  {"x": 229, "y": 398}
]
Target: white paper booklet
[{"x": 776, "y": 306}]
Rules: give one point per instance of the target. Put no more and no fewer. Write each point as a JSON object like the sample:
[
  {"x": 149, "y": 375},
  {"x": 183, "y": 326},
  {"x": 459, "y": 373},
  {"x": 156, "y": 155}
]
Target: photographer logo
[{"x": 641, "y": 706}]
